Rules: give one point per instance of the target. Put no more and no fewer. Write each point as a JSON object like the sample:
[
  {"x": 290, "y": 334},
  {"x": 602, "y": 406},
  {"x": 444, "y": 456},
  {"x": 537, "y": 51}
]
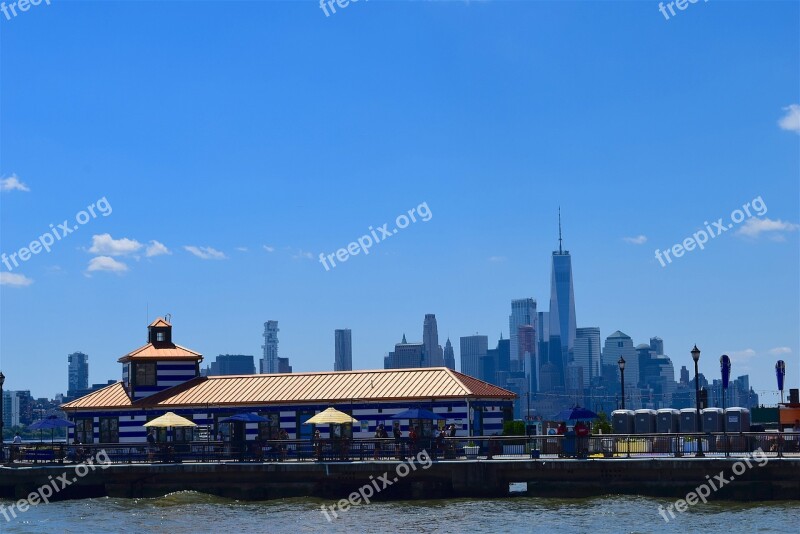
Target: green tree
[{"x": 601, "y": 424}]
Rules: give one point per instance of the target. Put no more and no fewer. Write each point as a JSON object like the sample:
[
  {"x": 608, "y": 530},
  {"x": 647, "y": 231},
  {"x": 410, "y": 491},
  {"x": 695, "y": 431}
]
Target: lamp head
[
  {"x": 695, "y": 353},
  {"x": 621, "y": 363}
]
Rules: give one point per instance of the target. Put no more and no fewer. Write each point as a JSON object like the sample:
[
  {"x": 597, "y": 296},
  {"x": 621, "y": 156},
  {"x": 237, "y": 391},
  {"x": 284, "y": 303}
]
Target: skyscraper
[
  {"x": 523, "y": 312},
  {"x": 78, "y": 373},
  {"x": 562, "y": 303},
  {"x": 344, "y": 350},
  {"x": 405, "y": 356},
  {"x": 621, "y": 345},
  {"x": 586, "y": 353},
  {"x": 449, "y": 355},
  {"x": 657, "y": 345},
  {"x": 232, "y": 364},
  {"x": 269, "y": 362},
  {"x": 526, "y": 346},
  {"x": 473, "y": 348},
  {"x": 430, "y": 338}
]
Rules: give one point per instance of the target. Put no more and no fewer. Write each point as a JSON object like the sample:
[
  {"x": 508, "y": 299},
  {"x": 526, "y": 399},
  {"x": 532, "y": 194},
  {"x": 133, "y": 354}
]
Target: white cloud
[
  {"x": 106, "y": 245},
  {"x": 777, "y": 351},
  {"x": 14, "y": 280},
  {"x": 302, "y": 254},
  {"x": 12, "y": 183},
  {"x": 497, "y": 259},
  {"x": 754, "y": 227},
  {"x": 241, "y": 249},
  {"x": 742, "y": 356},
  {"x": 106, "y": 263},
  {"x": 156, "y": 249},
  {"x": 791, "y": 121},
  {"x": 638, "y": 240},
  {"x": 269, "y": 249},
  {"x": 206, "y": 253}
]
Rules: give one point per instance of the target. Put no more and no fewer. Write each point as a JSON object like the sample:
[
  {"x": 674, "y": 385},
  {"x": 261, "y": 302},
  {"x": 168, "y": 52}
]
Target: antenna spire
[{"x": 560, "y": 251}]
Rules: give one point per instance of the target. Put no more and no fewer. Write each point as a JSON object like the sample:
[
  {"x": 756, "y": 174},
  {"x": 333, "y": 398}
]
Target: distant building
[
  {"x": 586, "y": 353},
  {"x": 434, "y": 356},
  {"x": 562, "y": 307},
  {"x": 10, "y": 408},
  {"x": 78, "y": 373},
  {"x": 232, "y": 364},
  {"x": 269, "y": 361},
  {"x": 283, "y": 366},
  {"x": 343, "y": 349},
  {"x": 684, "y": 376},
  {"x": 523, "y": 313},
  {"x": 473, "y": 348},
  {"x": 405, "y": 356},
  {"x": 449, "y": 356},
  {"x": 657, "y": 346},
  {"x": 621, "y": 345}
]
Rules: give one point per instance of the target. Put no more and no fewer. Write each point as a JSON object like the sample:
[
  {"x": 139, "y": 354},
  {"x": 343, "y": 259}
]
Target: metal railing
[{"x": 713, "y": 445}]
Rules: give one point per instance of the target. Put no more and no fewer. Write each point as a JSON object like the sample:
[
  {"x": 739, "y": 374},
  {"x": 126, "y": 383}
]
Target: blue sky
[{"x": 265, "y": 133}]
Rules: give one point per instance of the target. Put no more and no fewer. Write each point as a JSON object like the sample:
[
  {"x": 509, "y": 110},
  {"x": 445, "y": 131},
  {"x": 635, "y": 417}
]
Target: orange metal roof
[
  {"x": 113, "y": 396},
  {"x": 162, "y": 351},
  {"x": 389, "y": 384},
  {"x": 159, "y": 322}
]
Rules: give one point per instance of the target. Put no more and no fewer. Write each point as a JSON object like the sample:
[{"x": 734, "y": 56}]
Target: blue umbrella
[
  {"x": 417, "y": 413},
  {"x": 574, "y": 414},
  {"x": 244, "y": 418},
  {"x": 51, "y": 423}
]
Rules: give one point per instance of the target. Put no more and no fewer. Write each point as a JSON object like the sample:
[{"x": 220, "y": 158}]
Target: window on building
[
  {"x": 160, "y": 336},
  {"x": 84, "y": 431},
  {"x": 145, "y": 374},
  {"x": 269, "y": 429},
  {"x": 183, "y": 434},
  {"x": 109, "y": 430},
  {"x": 305, "y": 431}
]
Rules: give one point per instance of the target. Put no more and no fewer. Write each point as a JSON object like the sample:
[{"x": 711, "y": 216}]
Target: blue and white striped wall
[
  {"x": 168, "y": 374},
  {"x": 131, "y": 429}
]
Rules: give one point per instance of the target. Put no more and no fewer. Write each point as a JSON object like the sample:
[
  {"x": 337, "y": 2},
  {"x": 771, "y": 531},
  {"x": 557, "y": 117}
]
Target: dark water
[{"x": 193, "y": 512}]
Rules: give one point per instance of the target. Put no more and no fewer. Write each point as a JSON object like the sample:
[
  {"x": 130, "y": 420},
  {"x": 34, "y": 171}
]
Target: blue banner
[{"x": 780, "y": 373}]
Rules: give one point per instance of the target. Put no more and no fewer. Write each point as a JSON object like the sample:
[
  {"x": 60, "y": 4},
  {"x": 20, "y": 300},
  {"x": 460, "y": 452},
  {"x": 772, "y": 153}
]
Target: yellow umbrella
[
  {"x": 169, "y": 419},
  {"x": 329, "y": 416}
]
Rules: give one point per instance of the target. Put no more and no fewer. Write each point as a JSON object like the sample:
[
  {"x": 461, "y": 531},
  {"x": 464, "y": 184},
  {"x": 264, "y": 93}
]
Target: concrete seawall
[{"x": 777, "y": 479}]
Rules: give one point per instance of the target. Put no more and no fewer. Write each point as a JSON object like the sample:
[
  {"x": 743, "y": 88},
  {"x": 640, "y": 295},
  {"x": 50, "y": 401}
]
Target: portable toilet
[
  {"x": 737, "y": 419},
  {"x": 644, "y": 421},
  {"x": 667, "y": 420},
  {"x": 713, "y": 420},
  {"x": 688, "y": 422},
  {"x": 622, "y": 421}
]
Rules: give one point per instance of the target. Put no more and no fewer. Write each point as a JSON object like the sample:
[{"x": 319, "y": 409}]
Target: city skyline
[{"x": 214, "y": 203}]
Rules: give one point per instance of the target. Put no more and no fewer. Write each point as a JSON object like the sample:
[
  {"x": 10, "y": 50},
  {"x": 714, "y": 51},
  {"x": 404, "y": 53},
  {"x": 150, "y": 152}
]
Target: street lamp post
[
  {"x": 725, "y": 368},
  {"x": 528, "y": 416},
  {"x": 621, "y": 364},
  {"x": 2, "y": 453},
  {"x": 696, "y": 357}
]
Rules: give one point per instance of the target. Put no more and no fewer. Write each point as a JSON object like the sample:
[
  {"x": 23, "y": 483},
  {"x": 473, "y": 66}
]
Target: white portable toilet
[
  {"x": 622, "y": 421},
  {"x": 644, "y": 421},
  {"x": 667, "y": 420},
  {"x": 688, "y": 422}
]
